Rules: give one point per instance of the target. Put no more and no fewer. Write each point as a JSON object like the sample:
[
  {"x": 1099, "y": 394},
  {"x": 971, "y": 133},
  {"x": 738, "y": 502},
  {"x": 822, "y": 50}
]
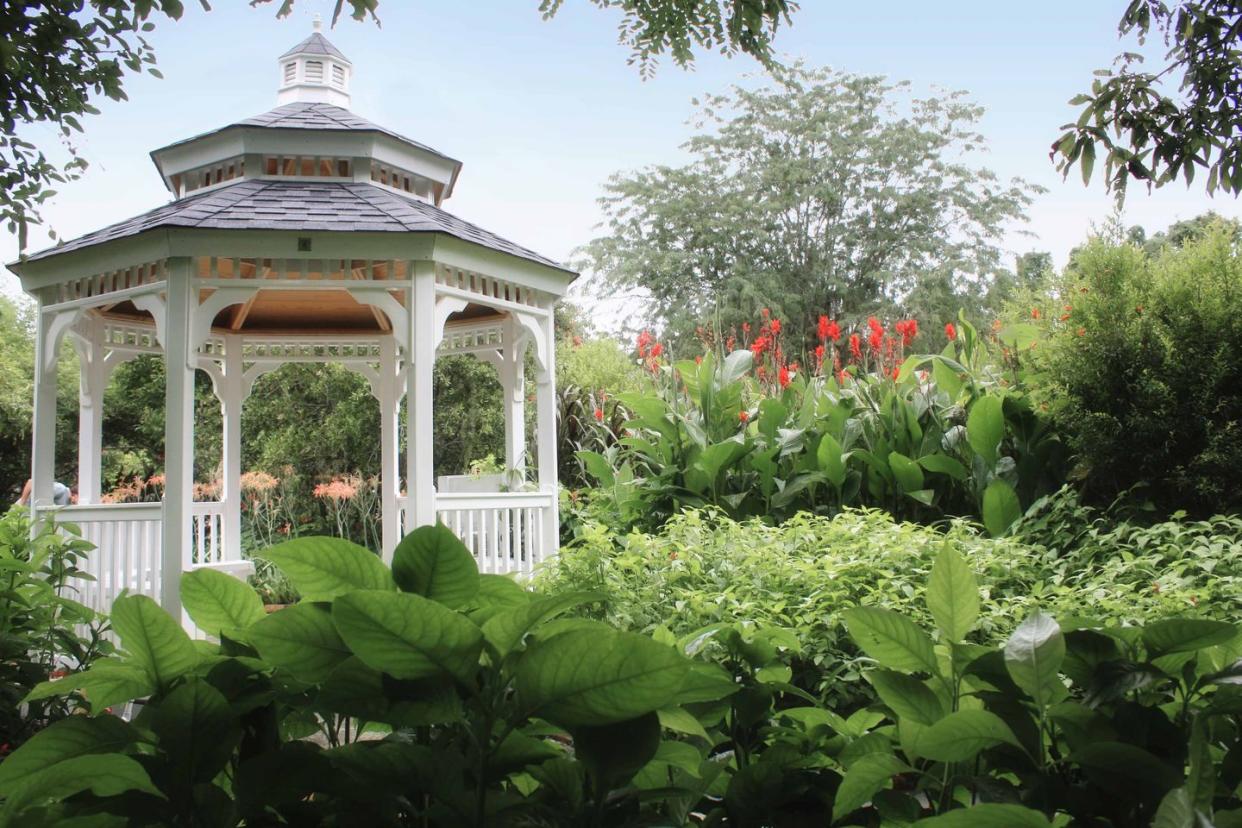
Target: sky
[{"x": 543, "y": 112}]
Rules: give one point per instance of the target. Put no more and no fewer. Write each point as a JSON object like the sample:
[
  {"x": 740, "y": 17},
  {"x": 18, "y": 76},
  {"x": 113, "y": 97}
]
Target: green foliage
[
  {"x": 1052, "y": 725},
  {"x": 950, "y": 435},
  {"x": 776, "y": 209},
  {"x": 702, "y": 569},
  {"x": 43, "y": 630},
  {"x": 1140, "y": 368},
  {"x": 1144, "y": 130},
  {"x": 477, "y": 733}
]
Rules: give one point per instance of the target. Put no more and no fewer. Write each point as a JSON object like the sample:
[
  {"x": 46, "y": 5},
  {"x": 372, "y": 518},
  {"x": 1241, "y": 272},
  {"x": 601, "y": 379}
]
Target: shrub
[
  {"x": 923, "y": 437},
  {"x": 43, "y": 630},
  {"x": 1143, "y": 371},
  {"x": 703, "y": 568}
]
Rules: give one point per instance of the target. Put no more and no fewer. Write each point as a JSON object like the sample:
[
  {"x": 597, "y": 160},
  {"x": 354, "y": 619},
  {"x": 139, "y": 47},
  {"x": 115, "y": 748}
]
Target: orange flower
[{"x": 743, "y": 416}]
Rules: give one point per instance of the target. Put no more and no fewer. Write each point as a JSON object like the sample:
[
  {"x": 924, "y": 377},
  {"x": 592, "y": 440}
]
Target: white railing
[
  {"x": 208, "y": 532},
  {"x": 127, "y": 554},
  {"x": 503, "y": 530}
]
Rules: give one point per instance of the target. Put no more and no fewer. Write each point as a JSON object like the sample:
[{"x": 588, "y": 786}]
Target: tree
[
  {"x": 651, "y": 27},
  {"x": 1148, "y": 135},
  {"x": 59, "y": 56},
  {"x": 820, "y": 193}
]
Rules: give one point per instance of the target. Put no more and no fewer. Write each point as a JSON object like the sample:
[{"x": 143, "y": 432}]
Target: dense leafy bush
[
  {"x": 495, "y": 711},
  {"x": 923, "y": 437},
  {"x": 1142, "y": 370},
  {"x": 703, "y": 568},
  {"x": 43, "y": 630}
]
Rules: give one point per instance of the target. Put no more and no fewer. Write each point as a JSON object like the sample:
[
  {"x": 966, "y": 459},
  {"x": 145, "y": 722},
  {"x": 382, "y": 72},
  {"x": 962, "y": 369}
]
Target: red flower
[
  {"x": 819, "y": 355},
  {"x": 698, "y": 360},
  {"x": 874, "y": 324},
  {"x": 1034, "y": 313},
  {"x": 908, "y": 329},
  {"x": 841, "y": 375},
  {"x": 746, "y": 327},
  {"x": 783, "y": 377},
  {"x": 895, "y": 373},
  {"x": 776, "y": 326},
  {"x": 950, "y": 331},
  {"x": 656, "y": 350},
  {"x": 644, "y": 341},
  {"x": 757, "y": 347},
  {"x": 599, "y": 415},
  {"x": 875, "y": 338},
  {"x": 743, "y": 416},
  {"x": 855, "y": 346},
  {"x": 765, "y": 313}
]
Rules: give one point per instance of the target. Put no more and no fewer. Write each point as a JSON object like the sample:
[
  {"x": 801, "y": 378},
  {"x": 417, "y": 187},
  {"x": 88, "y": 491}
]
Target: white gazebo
[{"x": 305, "y": 234}]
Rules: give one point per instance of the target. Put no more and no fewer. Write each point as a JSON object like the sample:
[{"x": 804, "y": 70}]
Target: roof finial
[{"x": 318, "y": 24}]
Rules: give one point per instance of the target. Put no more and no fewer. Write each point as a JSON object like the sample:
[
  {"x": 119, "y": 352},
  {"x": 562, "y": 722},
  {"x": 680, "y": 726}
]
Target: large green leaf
[
  {"x": 988, "y": 815},
  {"x": 506, "y": 629},
  {"x": 597, "y": 466},
  {"x": 65, "y": 739},
  {"x": 432, "y": 562},
  {"x": 943, "y": 464},
  {"x": 1184, "y": 635},
  {"x": 153, "y": 639},
  {"x": 946, "y": 378},
  {"x": 961, "y": 735},
  {"x": 599, "y": 676},
  {"x": 197, "y": 732},
  {"x": 301, "y": 639},
  {"x": 408, "y": 636},
  {"x": 735, "y": 366},
  {"x": 906, "y": 696},
  {"x": 218, "y": 602},
  {"x": 323, "y": 568},
  {"x": 909, "y": 474},
  {"x": 1033, "y": 656},
  {"x": 106, "y": 683},
  {"x": 1000, "y": 507},
  {"x": 1119, "y": 764},
  {"x": 717, "y": 457},
  {"x": 864, "y": 779},
  {"x": 891, "y": 639},
  {"x": 613, "y": 753},
  {"x": 1176, "y": 811},
  {"x": 831, "y": 461},
  {"x": 985, "y": 427},
  {"x": 953, "y": 594},
  {"x": 104, "y": 774}
]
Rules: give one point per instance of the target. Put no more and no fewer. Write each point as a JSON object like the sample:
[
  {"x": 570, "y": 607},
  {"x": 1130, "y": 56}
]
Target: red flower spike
[
  {"x": 855, "y": 346},
  {"x": 776, "y": 326},
  {"x": 950, "y": 331},
  {"x": 783, "y": 377},
  {"x": 743, "y": 416},
  {"x": 599, "y": 415}
]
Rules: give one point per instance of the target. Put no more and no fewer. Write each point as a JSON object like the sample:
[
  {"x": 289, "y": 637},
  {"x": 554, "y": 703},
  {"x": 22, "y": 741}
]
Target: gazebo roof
[
  {"x": 316, "y": 44},
  {"x": 309, "y": 116},
  {"x": 260, "y": 204}
]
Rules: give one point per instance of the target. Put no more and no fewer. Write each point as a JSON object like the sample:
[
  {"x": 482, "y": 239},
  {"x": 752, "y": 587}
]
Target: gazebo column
[
  {"x": 232, "y": 399},
  {"x": 43, "y": 448},
  {"x": 545, "y": 418},
  {"x": 512, "y": 370},
  {"x": 389, "y": 396},
  {"x": 420, "y": 360},
  {"x": 178, "y": 434},
  {"x": 91, "y": 387}
]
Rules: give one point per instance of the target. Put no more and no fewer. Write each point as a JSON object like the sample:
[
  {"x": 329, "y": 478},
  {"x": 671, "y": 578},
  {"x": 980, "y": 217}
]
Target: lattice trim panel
[
  {"x": 486, "y": 287},
  {"x": 311, "y": 270}
]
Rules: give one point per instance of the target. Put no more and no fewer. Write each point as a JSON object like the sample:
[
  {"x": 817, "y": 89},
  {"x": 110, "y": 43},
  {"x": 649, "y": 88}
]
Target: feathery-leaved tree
[{"x": 821, "y": 192}]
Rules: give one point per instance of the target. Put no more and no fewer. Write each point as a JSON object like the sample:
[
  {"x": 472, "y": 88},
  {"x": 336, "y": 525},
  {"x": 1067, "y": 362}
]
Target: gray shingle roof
[
  {"x": 304, "y": 115},
  {"x": 256, "y": 204},
  {"x": 316, "y": 44}
]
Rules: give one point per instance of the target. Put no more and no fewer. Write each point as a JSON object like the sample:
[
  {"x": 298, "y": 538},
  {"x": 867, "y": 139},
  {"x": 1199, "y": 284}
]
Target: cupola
[{"x": 314, "y": 71}]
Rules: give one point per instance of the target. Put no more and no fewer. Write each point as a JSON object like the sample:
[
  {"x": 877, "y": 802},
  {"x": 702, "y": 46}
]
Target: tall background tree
[{"x": 819, "y": 193}]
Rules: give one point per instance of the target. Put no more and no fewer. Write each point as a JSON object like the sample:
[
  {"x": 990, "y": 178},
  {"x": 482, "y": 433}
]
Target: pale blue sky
[{"x": 541, "y": 113}]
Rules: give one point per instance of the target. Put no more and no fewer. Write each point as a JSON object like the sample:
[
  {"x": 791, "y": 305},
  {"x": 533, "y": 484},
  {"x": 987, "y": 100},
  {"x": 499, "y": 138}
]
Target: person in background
[{"x": 62, "y": 495}]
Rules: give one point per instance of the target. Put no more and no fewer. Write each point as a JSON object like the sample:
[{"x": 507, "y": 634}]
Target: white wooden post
[
  {"x": 232, "y": 398},
  {"x": 420, "y": 355},
  {"x": 545, "y": 423},
  {"x": 390, "y": 479},
  {"x": 178, "y": 434},
  {"x": 43, "y": 448},
  {"x": 91, "y": 386},
  {"x": 513, "y": 387}
]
